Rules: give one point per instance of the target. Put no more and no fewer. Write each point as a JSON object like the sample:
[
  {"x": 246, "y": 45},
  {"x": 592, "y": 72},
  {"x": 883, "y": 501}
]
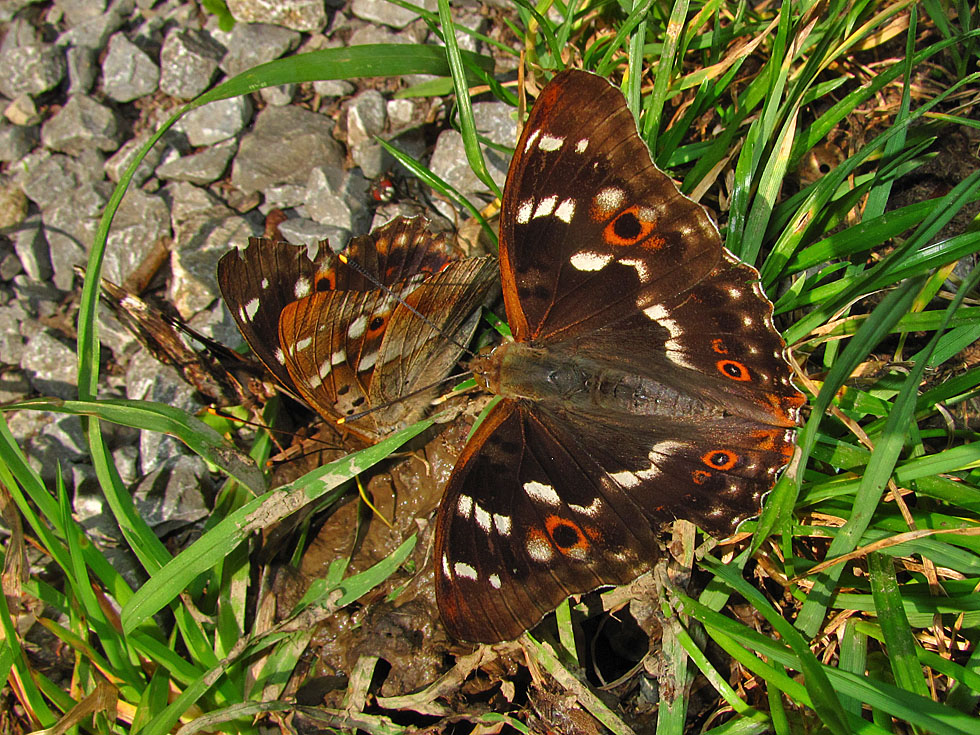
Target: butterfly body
[{"x": 646, "y": 381}]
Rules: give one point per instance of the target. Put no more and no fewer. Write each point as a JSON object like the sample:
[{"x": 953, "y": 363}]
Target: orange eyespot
[
  {"x": 718, "y": 345},
  {"x": 733, "y": 370},
  {"x": 566, "y": 534},
  {"x": 720, "y": 459},
  {"x": 700, "y": 476},
  {"x": 627, "y": 228}
]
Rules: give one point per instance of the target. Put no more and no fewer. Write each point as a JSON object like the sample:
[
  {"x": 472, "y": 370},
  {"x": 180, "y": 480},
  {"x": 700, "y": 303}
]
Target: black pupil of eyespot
[
  {"x": 377, "y": 323},
  {"x": 733, "y": 370},
  {"x": 564, "y": 535},
  {"x": 627, "y": 226},
  {"x": 719, "y": 459}
]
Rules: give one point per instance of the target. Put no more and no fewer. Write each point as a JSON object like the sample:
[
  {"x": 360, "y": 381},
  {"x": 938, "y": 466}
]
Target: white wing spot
[
  {"x": 566, "y": 210},
  {"x": 591, "y": 510},
  {"x": 464, "y": 506},
  {"x": 280, "y": 356},
  {"x": 357, "y": 327},
  {"x": 735, "y": 293},
  {"x": 251, "y": 309},
  {"x": 748, "y": 321},
  {"x": 494, "y": 581},
  {"x": 546, "y": 206},
  {"x": 588, "y": 260},
  {"x": 524, "y": 212},
  {"x": 541, "y": 492},
  {"x": 446, "y": 569},
  {"x": 338, "y": 357},
  {"x": 626, "y": 479},
  {"x": 550, "y": 143},
  {"x": 539, "y": 550},
  {"x": 502, "y": 524},
  {"x": 465, "y": 571},
  {"x": 530, "y": 140},
  {"x": 482, "y": 518},
  {"x": 367, "y": 362},
  {"x": 642, "y": 269},
  {"x": 303, "y": 344},
  {"x": 265, "y": 283},
  {"x": 582, "y": 145},
  {"x": 324, "y": 369},
  {"x": 609, "y": 200},
  {"x": 302, "y": 288}
]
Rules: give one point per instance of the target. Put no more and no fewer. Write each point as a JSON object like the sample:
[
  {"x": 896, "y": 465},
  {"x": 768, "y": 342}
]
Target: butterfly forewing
[
  {"x": 587, "y": 218},
  {"x": 428, "y": 332},
  {"x": 258, "y": 282}
]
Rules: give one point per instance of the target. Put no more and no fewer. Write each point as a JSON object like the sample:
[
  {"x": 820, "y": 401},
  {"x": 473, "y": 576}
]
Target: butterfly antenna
[
  {"x": 362, "y": 414},
  {"x": 388, "y": 292}
]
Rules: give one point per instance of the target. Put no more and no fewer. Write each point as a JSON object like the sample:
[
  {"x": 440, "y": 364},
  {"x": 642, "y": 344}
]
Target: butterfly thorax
[{"x": 551, "y": 376}]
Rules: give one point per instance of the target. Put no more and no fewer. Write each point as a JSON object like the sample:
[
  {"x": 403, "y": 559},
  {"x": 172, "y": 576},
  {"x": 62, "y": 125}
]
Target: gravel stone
[
  {"x": 127, "y": 72},
  {"x": 11, "y": 341},
  {"x": 13, "y": 205},
  {"x": 81, "y": 69},
  {"x": 302, "y": 231},
  {"x": 449, "y": 157},
  {"x": 9, "y": 262},
  {"x": 32, "y": 248},
  {"x": 14, "y": 385},
  {"x": 333, "y": 88},
  {"x": 148, "y": 380},
  {"x": 49, "y": 180},
  {"x": 201, "y": 243},
  {"x": 189, "y": 202},
  {"x": 82, "y": 124},
  {"x": 94, "y": 31},
  {"x": 381, "y": 11},
  {"x": 338, "y": 201},
  {"x": 16, "y": 141},
  {"x": 216, "y": 121},
  {"x": 79, "y": 11},
  {"x": 251, "y": 44},
  {"x": 28, "y": 66},
  {"x": 367, "y": 116},
  {"x": 22, "y": 111},
  {"x": 188, "y": 62},
  {"x": 117, "y": 164},
  {"x": 70, "y": 227},
  {"x": 264, "y": 159},
  {"x": 300, "y": 15},
  {"x": 286, "y": 196},
  {"x": 141, "y": 220},
  {"x": 50, "y": 441},
  {"x": 173, "y": 495},
  {"x": 371, "y": 33},
  {"x": 51, "y": 366},
  {"x": 278, "y": 96},
  {"x": 200, "y": 168}
]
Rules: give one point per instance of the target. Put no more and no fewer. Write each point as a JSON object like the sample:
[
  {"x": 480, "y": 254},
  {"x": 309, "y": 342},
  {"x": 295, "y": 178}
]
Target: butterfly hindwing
[{"x": 527, "y": 520}]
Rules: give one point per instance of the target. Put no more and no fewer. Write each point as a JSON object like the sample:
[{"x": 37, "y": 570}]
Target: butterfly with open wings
[{"x": 646, "y": 381}]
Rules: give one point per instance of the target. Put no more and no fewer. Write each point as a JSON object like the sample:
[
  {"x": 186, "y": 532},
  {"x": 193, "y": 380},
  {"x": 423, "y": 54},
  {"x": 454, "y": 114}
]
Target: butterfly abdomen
[{"x": 561, "y": 379}]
